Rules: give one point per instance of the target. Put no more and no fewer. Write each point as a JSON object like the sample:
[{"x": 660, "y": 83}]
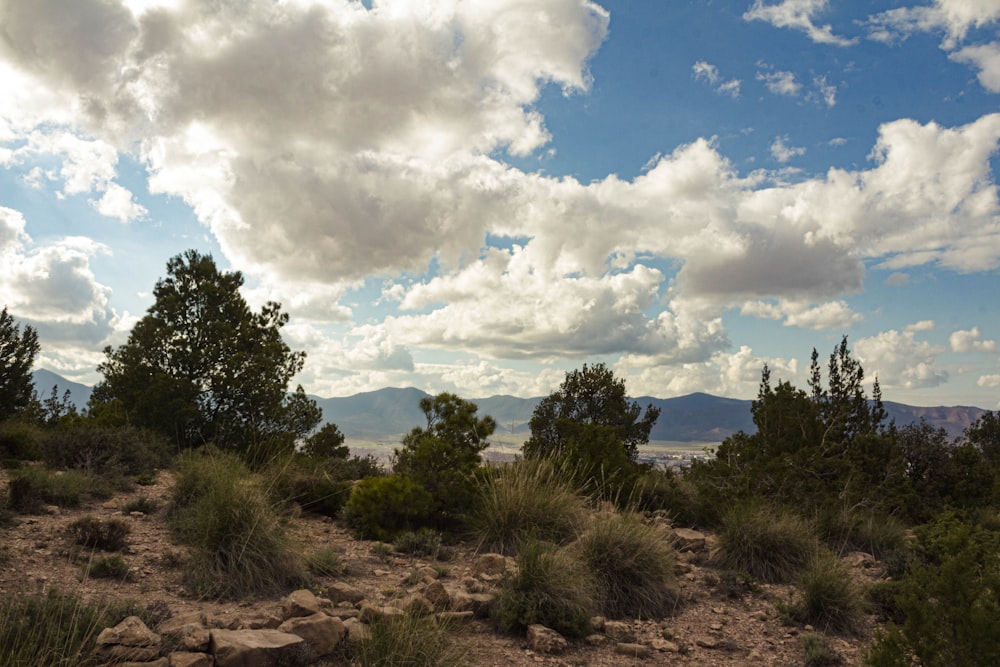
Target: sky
[{"x": 478, "y": 196}]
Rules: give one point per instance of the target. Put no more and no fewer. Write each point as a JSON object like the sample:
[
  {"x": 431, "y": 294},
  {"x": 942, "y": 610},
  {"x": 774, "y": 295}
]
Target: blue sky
[{"x": 479, "y": 196}]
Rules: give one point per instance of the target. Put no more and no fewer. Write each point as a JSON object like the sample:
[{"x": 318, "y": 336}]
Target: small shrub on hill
[
  {"x": 117, "y": 454},
  {"x": 632, "y": 565},
  {"x": 94, "y": 533},
  {"x": 302, "y": 481},
  {"x": 551, "y": 586},
  {"x": 526, "y": 499},
  {"x": 326, "y": 562},
  {"x": 224, "y": 514},
  {"x": 423, "y": 542},
  {"x": 32, "y": 488},
  {"x": 382, "y": 507},
  {"x": 880, "y": 535},
  {"x": 19, "y": 441},
  {"x": 829, "y": 598},
  {"x": 142, "y": 504},
  {"x": 408, "y": 641},
  {"x": 107, "y": 567},
  {"x": 771, "y": 545}
]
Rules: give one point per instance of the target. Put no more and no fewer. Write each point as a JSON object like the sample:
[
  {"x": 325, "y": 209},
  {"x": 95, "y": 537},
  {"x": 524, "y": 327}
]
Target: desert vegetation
[{"x": 201, "y": 389}]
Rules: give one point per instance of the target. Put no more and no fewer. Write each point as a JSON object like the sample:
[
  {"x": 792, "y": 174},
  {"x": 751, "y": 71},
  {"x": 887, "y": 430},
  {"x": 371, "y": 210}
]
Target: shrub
[
  {"x": 423, "y": 542},
  {"x": 238, "y": 545},
  {"x": 770, "y": 545},
  {"x": 381, "y": 507},
  {"x": 817, "y": 652},
  {"x": 880, "y": 535},
  {"x": 326, "y": 563},
  {"x": 107, "y": 567},
  {"x": 354, "y": 468},
  {"x": 93, "y": 533},
  {"x": 408, "y": 641},
  {"x": 114, "y": 453},
  {"x": 54, "y": 629},
  {"x": 142, "y": 504},
  {"x": 528, "y": 499},
  {"x": 31, "y": 488},
  {"x": 303, "y": 482},
  {"x": 632, "y": 564},
  {"x": 550, "y": 586},
  {"x": 668, "y": 491},
  {"x": 20, "y": 441},
  {"x": 830, "y": 600}
]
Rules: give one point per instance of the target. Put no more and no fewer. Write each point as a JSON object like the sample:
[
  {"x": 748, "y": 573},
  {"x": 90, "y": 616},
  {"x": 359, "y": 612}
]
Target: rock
[
  {"x": 256, "y": 648},
  {"x": 356, "y": 631},
  {"x": 707, "y": 642},
  {"x": 633, "y": 650},
  {"x": 130, "y": 640},
  {"x": 414, "y": 604},
  {"x": 300, "y": 603},
  {"x": 321, "y": 633},
  {"x": 372, "y": 612},
  {"x": 473, "y": 585},
  {"x": 545, "y": 640},
  {"x": 689, "y": 540},
  {"x": 859, "y": 559},
  {"x": 619, "y": 631},
  {"x": 159, "y": 662},
  {"x": 490, "y": 566},
  {"x": 341, "y": 592},
  {"x": 184, "y": 659},
  {"x": 665, "y": 646},
  {"x": 596, "y": 639}
]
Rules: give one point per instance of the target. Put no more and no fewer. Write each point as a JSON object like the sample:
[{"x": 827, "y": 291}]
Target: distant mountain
[
  {"x": 386, "y": 414},
  {"x": 79, "y": 394}
]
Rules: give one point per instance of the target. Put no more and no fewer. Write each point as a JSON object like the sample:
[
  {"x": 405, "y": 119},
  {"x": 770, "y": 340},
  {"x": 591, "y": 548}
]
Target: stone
[
  {"x": 255, "y": 648},
  {"x": 545, "y": 640},
  {"x": 665, "y": 646},
  {"x": 159, "y": 662},
  {"x": 414, "y": 604},
  {"x": 688, "y": 539},
  {"x": 373, "y": 612},
  {"x": 356, "y": 631},
  {"x": 342, "y": 592},
  {"x": 438, "y": 595},
  {"x": 707, "y": 642},
  {"x": 619, "y": 631},
  {"x": 490, "y": 566},
  {"x": 633, "y": 650},
  {"x": 321, "y": 633},
  {"x": 300, "y": 603},
  {"x": 596, "y": 639},
  {"x": 130, "y": 640},
  {"x": 185, "y": 659},
  {"x": 185, "y": 632}
]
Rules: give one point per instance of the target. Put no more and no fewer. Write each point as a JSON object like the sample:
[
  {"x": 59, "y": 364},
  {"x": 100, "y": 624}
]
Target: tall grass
[
  {"x": 31, "y": 488},
  {"x": 238, "y": 545},
  {"x": 770, "y": 544},
  {"x": 830, "y": 600},
  {"x": 527, "y": 499},
  {"x": 632, "y": 564},
  {"x": 408, "y": 641}
]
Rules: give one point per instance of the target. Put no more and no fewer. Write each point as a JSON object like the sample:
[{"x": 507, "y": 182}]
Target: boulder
[
  {"x": 321, "y": 633},
  {"x": 341, "y": 592},
  {"x": 689, "y": 540},
  {"x": 300, "y": 603},
  {"x": 185, "y": 659},
  {"x": 619, "y": 631},
  {"x": 256, "y": 648},
  {"x": 545, "y": 640},
  {"x": 129, "y": 641}
]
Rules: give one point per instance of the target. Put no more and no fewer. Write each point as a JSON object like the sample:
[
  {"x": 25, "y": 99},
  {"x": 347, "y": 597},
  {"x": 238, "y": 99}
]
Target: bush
[
  {"x": 142, "y": 505},
  {"x": 326, "y": 563},
  {"x": 408, "y": 641},
  {"x": 633, "y": 567},
  {"x": 423, "y": 542},
  {"x": 113, "y": 453},
  {"x": 880, "y": 535},
  {"x": 551, "y": 586},
  {"x": 20, "y": 441},
  {"x": 528, "y": 499},
  {"x": 93, "y": 533},
  {"x": 818, "y": 652},
  {"x": 238, "y": 545},
  {"x": 382, "y": 507},
  {"x": 54, "y": 629},
  {"x": 303, "y": 482},
  {"x": 32, "y": 488},
  {"x": 668, "y": 491},
  {"x": 354, "y": 468},
  {"x": 107, "y": 567},
  {"x": 829, "y": 599},
  {"x": 772, "y": 546}
]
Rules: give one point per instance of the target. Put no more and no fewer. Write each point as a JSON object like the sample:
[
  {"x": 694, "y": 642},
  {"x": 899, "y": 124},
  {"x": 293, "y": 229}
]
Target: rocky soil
[{"x": 718, "y": 623}]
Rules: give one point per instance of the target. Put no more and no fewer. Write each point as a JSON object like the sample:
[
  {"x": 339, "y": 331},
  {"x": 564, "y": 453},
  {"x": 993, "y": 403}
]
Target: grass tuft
[
  {"x": 408, "y": 641},
  {"x": 830, "y": 601},
  {"x": 770, "y": 545}
]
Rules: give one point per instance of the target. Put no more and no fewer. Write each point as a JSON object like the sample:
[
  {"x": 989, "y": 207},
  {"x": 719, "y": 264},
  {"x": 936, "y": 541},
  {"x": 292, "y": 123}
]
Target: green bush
[
  {"x": 526, "y": 499},
  {"x": 382, "y": 507},
  {"x": 113, "y": 453},
  {"x": 668, "y": 491},
  {"x": 142, "y": 504},
  {"x": 354, "y": 468},
  {"x": 880, "y": 535},
  {"x": 326, "y": 562},
  {"x": 32, "y": 488},
  {"x": 238, "y": 546},
  {"x": 302, "y": 481},
  {"x": 817, "y": 652},
  {"x": 771, "y": 545},
  {"x": 20, "y": 441},
  {"x": 948, "y": 599},
  {"x": 94, "y": 533},
  {"x": 552, "y": 587},
  {"x": 408, "y": 641},
  {"x": 829, "y": 600},
  {"x": 422, "y": 542},
  {"x": 632, "y": 564},
  {"x": 107, "y": 567}
]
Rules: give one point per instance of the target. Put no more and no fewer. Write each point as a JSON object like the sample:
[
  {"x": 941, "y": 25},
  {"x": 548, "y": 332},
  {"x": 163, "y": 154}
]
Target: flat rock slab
[{"x": 255, "y": 648}]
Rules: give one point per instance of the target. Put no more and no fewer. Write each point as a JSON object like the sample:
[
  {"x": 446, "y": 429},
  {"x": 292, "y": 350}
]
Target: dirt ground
[{"x": 710, "y": 629}]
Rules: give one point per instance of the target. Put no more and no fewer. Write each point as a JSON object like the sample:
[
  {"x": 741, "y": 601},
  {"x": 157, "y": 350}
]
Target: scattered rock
[
  {"x": 256, "y": 648},
  {"x": 341, "y": 592},
  {"x": 300, "y": 603},
  {"x": 545, "y": 640},
  {"x": 633, "y": 650},
  {"x": 689, "y": 540},
  {"x": 619, "y": 631},
  {"x": 321, "y": 633},
  {"x": 130, "y": 640}
]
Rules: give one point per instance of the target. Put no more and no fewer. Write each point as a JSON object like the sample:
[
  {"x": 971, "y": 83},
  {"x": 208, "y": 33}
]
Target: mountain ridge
[{"x": 383, "y": 415}]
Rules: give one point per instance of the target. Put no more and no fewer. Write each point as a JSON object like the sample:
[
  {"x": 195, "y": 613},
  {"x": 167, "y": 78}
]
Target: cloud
[
  {"x": 989, "y": 381},
  {"x": 968, "y": 341},
  {"x": 823, "y": 92},
  {"x": 922, "y": 325},
  {"x": 900, "y": 361},
  {"x": 831, "y": 315},
  {"x": 117, "y": 202},
  {"x": 797, "y": 15},
  {"x": 704, "y": 71},
  {"x": 779, "y": 82},
  {"x": 952, "y": 17},
  {"x": 986, "y": 58},
  {"x": 782, "y": 152}
]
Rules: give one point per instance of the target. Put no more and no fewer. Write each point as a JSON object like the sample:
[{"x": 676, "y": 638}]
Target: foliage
[
  {"x": 53, "y": 629},
  {"x": 238, "y": 547},
  {"x": 948, "y": 598},
  {"x": 443, "y": 456},
  {"x": 591, "y": 396},
  {"x": 669, "y": 491},
  {"x": 31, "y": 488},
  {"x": 829, "y": 598},
  {"x": 17, "y": 355},
  {"x": 326, "y": 562},
  {"x": 113, "y": 453},
  {"x": 379, "y": 508},
  {"x": 526, "y": 499},
  {"x": 301, "y": 480},
  {"x": 94, "y": 533},
  {"x": 142, "y": 505},
  {"x": 202, "y": 367},
  {"x": 633, "y": 566},
  {"x": 408, "y": 641},
  {"x": 422, "y": 542},
  {"x": 769, "y": 544},
  {"x": 327, "y": 442},
  {"x": 20, "y": 440},
  {"x": 817, "y": 652},
  {"x": 107, "y": 567},
  {"x": 880, "y": 535},
  {"x": 552, "y": 587}
]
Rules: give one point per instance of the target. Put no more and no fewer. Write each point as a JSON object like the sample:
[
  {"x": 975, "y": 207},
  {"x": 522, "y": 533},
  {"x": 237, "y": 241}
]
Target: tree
[
  {"x": 442, "y": 456},
  {"x": 326, "y": 443},
  {"x": 202, "y": 367},
  {"x": 590, "y": 396},
  {"x": 17, "y": 355}
]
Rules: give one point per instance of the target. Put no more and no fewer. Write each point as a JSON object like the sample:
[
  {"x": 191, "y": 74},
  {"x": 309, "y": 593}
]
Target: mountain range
[{"x": 383, "y": 416}]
